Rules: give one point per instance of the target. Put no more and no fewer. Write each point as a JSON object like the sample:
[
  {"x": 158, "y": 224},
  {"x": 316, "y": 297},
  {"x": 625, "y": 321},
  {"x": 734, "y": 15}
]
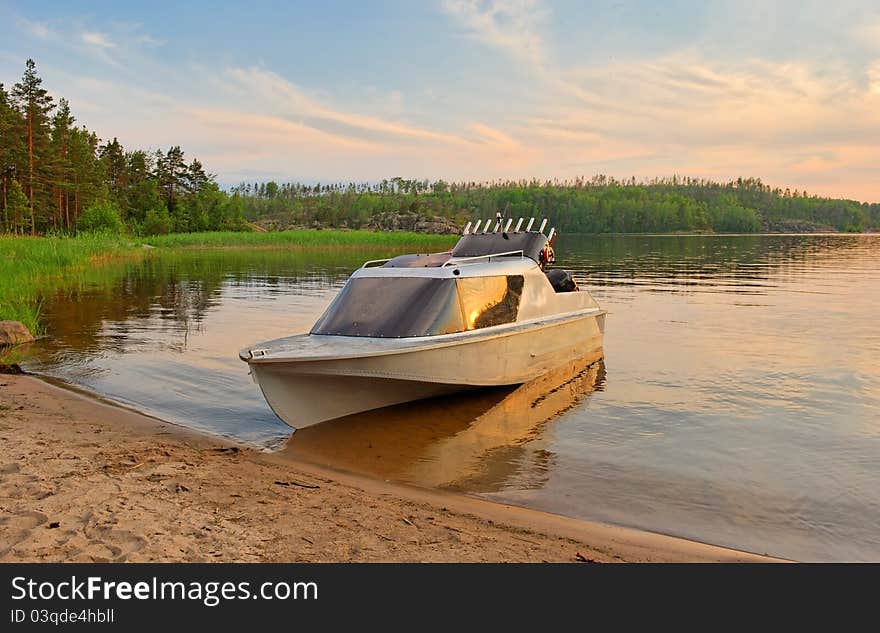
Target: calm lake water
[{"x": 738, "y": 402}]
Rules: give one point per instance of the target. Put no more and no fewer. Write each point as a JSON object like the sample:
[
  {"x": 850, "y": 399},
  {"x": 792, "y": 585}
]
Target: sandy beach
[{"x": 83, "y": 480}]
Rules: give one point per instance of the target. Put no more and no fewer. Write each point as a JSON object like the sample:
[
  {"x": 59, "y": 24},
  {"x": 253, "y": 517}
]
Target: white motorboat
[{"x": 490, "y": 312}]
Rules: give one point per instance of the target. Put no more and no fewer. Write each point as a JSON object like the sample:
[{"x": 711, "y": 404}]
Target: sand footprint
[
  {"x": 119, "y": 544},
  {"x": 15, "y": 485},
  {"x": 16, "y": 527}
]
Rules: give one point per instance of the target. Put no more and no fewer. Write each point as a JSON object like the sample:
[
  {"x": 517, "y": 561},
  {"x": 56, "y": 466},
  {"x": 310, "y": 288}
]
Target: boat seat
[{"x": 561, "y": 280}]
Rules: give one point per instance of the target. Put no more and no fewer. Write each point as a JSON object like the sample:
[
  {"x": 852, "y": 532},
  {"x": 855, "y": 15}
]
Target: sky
[{"x": 473, "y": 89}]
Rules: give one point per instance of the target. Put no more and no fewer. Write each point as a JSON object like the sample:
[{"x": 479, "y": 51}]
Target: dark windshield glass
[{"x": 393, "y": 307}]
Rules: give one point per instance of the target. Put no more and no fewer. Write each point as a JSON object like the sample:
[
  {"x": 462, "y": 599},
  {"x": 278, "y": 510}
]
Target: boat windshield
[{"x": 395, "y": 307}]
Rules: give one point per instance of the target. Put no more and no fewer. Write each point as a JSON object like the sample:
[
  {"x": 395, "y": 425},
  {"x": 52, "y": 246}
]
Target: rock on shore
[
  {"x": 391, "y": 221},
  {"x": 414, "y": 222},
  {"x": 13, "y": 333}
]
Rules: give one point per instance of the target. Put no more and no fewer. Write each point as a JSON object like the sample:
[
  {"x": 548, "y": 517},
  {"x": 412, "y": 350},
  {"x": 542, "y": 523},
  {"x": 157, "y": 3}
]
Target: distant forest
[
  {"x": 56, "y": 177},
  {"x": 598, "y": 205}
]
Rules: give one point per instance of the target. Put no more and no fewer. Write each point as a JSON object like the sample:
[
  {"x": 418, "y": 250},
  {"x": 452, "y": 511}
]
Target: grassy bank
[
  {"x": 34, "y": 267},
  {"x": 31, "y": 267}
]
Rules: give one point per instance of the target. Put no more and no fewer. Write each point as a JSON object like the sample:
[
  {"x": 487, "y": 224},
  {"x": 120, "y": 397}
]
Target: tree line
[
  {"x": 58, "y": 177},
  {"x": 600, "y": 204}
]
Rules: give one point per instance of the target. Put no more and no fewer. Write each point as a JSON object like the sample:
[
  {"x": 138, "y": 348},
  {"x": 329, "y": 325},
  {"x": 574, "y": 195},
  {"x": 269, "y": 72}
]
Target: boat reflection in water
[{"x": 479, "y": 441}]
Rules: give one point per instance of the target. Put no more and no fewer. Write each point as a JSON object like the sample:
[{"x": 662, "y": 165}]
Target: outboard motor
[{"x": 561, "y": 280}]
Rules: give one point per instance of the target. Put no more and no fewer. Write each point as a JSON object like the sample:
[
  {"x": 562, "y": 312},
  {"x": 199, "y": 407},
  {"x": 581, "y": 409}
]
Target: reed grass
[{"x": 31, "y": 267}]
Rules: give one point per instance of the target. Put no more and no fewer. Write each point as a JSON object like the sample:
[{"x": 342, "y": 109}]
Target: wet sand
[{"x": 82, "y": 480}]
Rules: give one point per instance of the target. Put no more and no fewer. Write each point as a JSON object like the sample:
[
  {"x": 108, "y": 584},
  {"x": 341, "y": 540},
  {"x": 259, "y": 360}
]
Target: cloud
[
  {"x": 684, "y": 99},
  {"x": 873, "y": 73},
  {"x": 395, "y": 100},
  {"x": 290, "y": 101},
  {"x": 39, "y": 30},
  {"x": 262, "y": 130},
  {"x": 495, "y": 137},
  {"x": 269, "y": 125},
  {"x": 816, "y": 163},
  {"x": 511, "y": 25},
  {"x": 148, "y": 40},
  {"x": 97, "y": 39},
  {"x": 868, "y": 33}
]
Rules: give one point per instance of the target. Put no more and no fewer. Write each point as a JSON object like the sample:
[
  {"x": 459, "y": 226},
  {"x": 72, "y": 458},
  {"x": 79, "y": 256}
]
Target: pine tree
[
  {"x": 88, "y": 180},
  {"x": 62, "y": 172},
  {"x": 13, "y": 154},
  {"x": 142, "y": 193},
  {"x": 171, "y": 173},
  {"x": 18, "y": 207},
  {"x": 115, "y": 168},
  {"x": 35, "y": 104},
  {"x": 196, "y": 176}
]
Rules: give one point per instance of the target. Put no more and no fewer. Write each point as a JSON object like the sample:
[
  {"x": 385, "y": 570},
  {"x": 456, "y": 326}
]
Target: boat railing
[
  {"x": 504, "y": 225},
  {"x": 455, "y": 261},
  {"x": 375, "y": 263}
]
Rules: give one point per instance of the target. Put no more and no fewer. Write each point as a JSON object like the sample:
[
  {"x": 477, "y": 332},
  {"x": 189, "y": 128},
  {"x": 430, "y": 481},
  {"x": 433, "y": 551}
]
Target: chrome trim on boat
[
  {"x": 367, "y": 264},
  {"x": 455, "y": 261}
]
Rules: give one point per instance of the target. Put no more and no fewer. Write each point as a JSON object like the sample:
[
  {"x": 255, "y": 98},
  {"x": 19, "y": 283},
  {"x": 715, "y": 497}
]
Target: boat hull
[{"x": 305, "y": 391}]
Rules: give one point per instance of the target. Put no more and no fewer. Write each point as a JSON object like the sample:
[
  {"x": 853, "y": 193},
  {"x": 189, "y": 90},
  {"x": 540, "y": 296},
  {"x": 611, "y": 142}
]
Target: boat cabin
[{"x": 489, "y": 279}]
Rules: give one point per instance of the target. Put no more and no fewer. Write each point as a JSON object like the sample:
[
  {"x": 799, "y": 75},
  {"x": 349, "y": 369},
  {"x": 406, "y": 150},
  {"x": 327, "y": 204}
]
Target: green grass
[
  {"x": 298, "y": 238},
  {"x": 32, "y": 268}
]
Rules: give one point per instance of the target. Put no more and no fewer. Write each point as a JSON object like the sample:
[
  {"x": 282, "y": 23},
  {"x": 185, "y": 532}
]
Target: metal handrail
[
  {"x": 466, "y": 260},
  {"x": 376, "y": 261}
]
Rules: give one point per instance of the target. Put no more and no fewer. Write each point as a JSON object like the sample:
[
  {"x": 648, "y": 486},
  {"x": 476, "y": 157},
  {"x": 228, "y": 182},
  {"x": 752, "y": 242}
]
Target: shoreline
[{"x": 86, "y": 480}]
